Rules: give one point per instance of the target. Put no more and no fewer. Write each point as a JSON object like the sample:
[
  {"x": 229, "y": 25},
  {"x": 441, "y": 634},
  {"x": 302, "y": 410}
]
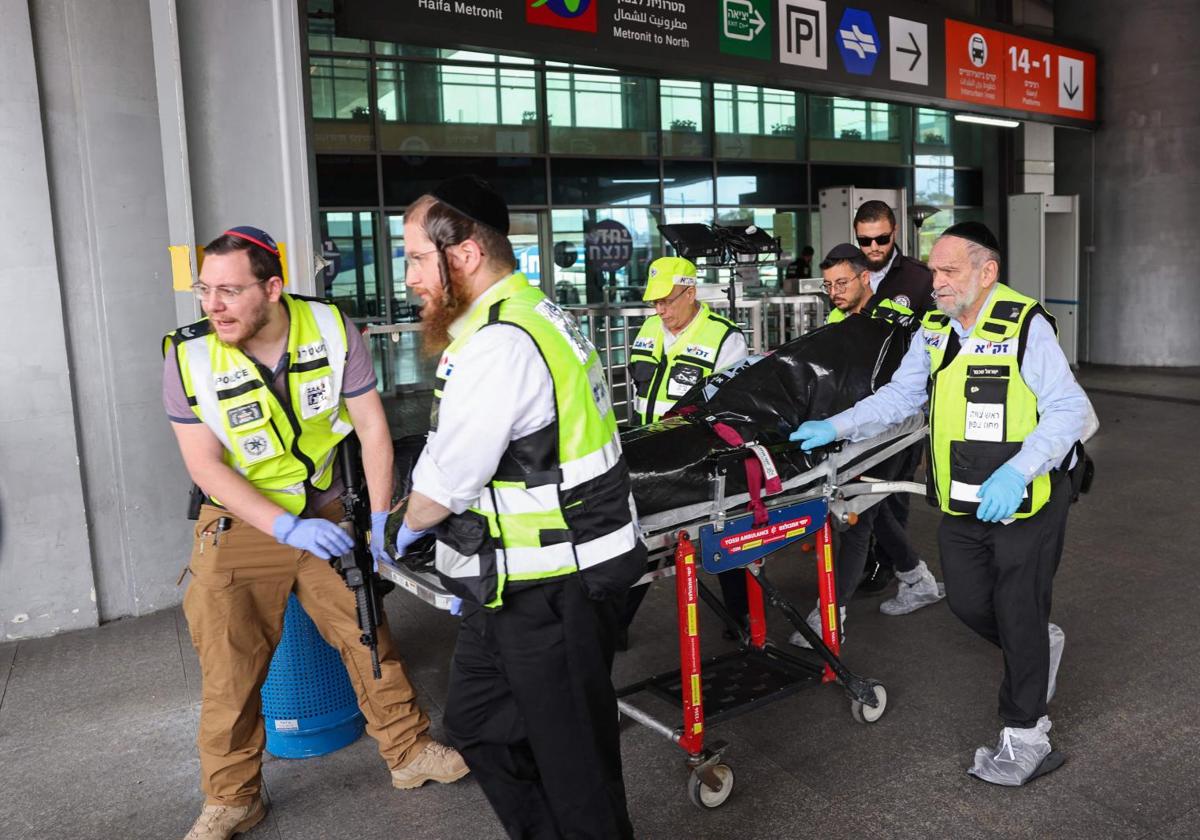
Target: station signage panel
[
  {"x": 1005, "y": 71},
  {"x": 899, "y": 50}
]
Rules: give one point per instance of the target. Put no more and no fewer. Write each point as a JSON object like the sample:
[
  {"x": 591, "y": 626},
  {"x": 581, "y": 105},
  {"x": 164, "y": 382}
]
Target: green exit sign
[{"x": 743, "y": 28}]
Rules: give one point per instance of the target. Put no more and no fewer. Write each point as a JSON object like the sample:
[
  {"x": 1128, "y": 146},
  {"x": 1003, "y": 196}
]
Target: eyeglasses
[
  {"x": 840, "y": 285},
  {"x": 226, "y": 294},
  {"x": 663, "y": 303},
  {"x": 882, "y": 239},
  {"x": 419, "y": 256}
]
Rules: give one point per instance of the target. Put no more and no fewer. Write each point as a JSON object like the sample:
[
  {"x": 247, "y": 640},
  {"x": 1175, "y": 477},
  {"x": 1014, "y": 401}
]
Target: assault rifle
[{"x": 357, "y": 566}]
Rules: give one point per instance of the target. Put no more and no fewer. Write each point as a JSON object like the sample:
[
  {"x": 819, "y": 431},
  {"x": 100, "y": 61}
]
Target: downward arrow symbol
[
  {"x": 915, "y": 52},
  {"x": 1069, "y": 86}
]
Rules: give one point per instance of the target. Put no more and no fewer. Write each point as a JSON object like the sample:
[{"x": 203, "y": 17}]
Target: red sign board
[
  {"x": 1049, "y": 79},
  {"x": 998, "y": 70},
  {"x": 974, "y": 64}
]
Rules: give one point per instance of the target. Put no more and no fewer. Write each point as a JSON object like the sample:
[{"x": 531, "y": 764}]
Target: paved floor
[{"x": 96, "y": 727}]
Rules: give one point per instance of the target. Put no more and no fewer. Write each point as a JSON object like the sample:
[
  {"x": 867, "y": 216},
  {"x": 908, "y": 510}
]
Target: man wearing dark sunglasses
[
  {"x": 894, "y": 276},
  {"x": 907, "y": 285},
  {"x": 847, "y": 282}
]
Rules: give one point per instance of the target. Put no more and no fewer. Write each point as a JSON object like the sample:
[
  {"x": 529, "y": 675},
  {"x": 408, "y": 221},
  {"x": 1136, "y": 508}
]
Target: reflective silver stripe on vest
[
  {"x": 525, "y": 562},
  {"x": 594, "y": 552},
  {"x": 511, "y": 500},
  {"x": 325, "y": 465},
  {"x": 200, "y": 369},
  {"x": 592, "y": 465},
  {"x": 452, "y": 564},
  {"x": 328, "y": 326}
]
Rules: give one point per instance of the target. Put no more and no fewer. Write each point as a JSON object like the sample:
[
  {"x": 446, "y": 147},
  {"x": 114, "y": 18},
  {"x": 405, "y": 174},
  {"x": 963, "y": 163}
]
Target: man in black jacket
[
  {"x": 893, "y": 275},
  {"x": 908, "y": 284}
]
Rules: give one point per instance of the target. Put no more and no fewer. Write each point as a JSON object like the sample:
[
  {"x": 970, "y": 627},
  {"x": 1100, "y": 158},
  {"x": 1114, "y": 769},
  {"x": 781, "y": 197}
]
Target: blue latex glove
[
  {"x": 814, "y": 433},
  {"x": 405, "y": 538},
  {"x": 378, "y": 540},
  {"x": 319, "y": 537},
  {"x": 456, "y": 606},
  {"x": 1001, "y": 494}
]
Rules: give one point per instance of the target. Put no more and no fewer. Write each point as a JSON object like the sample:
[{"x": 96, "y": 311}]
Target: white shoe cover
[
  {"x": 1058, "y": 640},
  {"x": 1017, "y": 756},
  {"x": 814, "y": 621},
  {"x": 910, "y": 597}
]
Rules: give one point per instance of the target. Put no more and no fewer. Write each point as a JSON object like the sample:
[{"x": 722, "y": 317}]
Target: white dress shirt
[{"x": 499, "y": 391}]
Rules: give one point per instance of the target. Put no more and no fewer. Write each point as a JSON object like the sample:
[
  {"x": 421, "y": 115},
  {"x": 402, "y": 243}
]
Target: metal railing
[{"x": 767, "y": 322}]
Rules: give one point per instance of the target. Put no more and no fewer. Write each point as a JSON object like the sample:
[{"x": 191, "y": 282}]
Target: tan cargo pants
[{"x": 234, "y": 605}]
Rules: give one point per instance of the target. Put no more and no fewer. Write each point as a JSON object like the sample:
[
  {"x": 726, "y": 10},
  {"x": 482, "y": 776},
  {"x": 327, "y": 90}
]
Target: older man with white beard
[{"x": 1005, "y": 417}]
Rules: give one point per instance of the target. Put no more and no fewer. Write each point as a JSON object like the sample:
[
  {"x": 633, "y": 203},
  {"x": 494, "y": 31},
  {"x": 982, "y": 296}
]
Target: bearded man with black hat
[
  {"x": 261, "y": 393},
  {"x": 523, "y": 483},
  {"x": 1006, "y": 418}
]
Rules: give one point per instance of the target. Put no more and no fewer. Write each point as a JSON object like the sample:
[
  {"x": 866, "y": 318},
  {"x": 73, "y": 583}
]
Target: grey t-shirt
[{"x": 358, "y": 378}]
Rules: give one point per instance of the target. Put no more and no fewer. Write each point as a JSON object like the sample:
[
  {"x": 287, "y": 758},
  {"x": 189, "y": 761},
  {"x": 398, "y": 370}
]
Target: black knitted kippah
[
  {"x": 474, "y": 198},
  {"x": 976, "y": 232}
]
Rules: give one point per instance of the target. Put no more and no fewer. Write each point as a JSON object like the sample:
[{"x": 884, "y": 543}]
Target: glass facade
[{"x": 580, "y": 152}]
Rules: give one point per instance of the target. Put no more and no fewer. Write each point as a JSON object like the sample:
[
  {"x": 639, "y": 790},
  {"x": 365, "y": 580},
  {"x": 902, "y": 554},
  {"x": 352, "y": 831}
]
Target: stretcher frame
[{"x": 839, "y": 487}]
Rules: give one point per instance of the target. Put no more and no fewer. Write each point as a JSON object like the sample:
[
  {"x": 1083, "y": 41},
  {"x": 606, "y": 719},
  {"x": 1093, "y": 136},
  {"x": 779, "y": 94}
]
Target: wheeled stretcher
[
  {"x": 714, "y": 537},
  {"x": 717, "y": 536}
]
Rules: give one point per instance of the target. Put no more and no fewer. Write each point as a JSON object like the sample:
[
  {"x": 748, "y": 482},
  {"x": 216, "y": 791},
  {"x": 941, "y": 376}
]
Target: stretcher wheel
[
  {"x": 703, "y": 796},
  {"x": 864, "y": 713}
]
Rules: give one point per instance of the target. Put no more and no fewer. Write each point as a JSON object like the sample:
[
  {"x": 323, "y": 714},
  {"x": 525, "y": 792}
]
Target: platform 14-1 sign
[{"x": 988, "y": 67}]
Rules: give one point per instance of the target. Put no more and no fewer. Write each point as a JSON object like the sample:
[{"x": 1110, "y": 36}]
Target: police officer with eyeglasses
[{"x": 260, "y": 393}]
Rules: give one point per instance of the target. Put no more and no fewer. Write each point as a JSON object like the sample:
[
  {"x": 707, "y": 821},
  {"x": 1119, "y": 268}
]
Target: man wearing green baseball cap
[{"x": 677, "y": 347}]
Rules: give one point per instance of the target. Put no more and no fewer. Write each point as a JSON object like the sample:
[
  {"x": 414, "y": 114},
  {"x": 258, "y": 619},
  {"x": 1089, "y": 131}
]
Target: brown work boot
[
  {"x": 435, "y": 763},
  {"x": 220, "y": 822}
]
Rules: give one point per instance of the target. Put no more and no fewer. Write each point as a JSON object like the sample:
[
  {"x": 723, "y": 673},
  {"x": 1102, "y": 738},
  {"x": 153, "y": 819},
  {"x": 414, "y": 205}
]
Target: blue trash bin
[{"x": 308, "y": 704}]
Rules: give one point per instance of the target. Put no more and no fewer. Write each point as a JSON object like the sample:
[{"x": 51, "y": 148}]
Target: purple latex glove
[
  {"x": 406, "y": 537},
  {"x": 378, "y": 540},
  {"x": 319, "y": 537}
]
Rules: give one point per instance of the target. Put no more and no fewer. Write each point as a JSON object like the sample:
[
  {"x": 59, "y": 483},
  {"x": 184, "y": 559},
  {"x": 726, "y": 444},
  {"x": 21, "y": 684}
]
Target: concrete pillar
[
  {"x": 1144, "y": 301},
  {"x": 1035, "y": 158},
  {"x": 45, "y": 564},
  {"x": 96, "y": 71},
  {"x": 247, "y": 144}
]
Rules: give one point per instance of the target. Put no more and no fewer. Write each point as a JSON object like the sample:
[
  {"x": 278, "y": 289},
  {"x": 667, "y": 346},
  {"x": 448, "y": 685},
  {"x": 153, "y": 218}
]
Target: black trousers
[
  {"x": 998, "y": 581},
  {"x": 892, "y": 547},
  {"x": 532, "y": 709},
  {"x": 850, "y": 553}
]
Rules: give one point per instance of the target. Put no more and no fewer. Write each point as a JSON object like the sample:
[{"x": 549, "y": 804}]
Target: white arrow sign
[
  {"x": 908, "y": 51},
  {"x": 1070, "y": 83}
]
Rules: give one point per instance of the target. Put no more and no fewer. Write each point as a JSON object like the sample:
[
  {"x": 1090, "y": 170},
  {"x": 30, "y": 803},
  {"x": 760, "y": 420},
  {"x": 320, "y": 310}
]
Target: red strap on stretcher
[{"x": 756, "y": 480}]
